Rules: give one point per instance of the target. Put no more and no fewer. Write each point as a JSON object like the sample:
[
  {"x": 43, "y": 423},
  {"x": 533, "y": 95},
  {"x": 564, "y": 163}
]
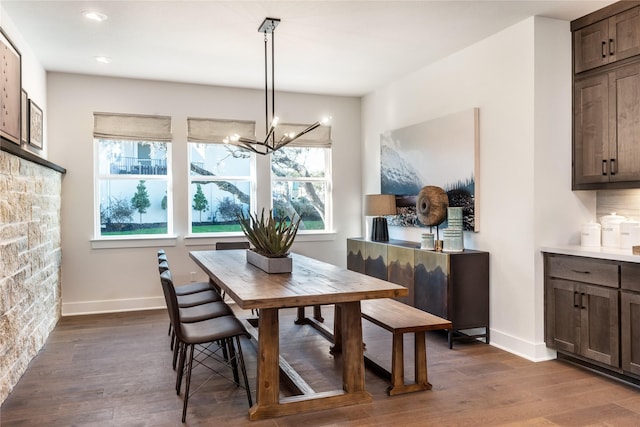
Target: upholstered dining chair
[
  {"x": 189, "y": 288},
  {"x": 197, "y": 297},
  {"x": 210, "y": 336}
]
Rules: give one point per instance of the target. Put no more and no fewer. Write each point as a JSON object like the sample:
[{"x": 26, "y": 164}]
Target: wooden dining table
[{"x": 311, "y": 283}]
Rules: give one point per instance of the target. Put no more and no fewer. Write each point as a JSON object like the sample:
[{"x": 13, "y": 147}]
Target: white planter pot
[{"x": 269, "y": 265}]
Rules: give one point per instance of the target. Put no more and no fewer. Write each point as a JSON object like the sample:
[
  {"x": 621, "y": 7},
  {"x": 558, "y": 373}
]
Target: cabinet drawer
[
  {"x": 630, "y": 277},
  {"x": 586, "y": 270}
]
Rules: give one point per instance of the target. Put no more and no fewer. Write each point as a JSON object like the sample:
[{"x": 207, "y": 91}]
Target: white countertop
[{"x": 594, "y": 252}]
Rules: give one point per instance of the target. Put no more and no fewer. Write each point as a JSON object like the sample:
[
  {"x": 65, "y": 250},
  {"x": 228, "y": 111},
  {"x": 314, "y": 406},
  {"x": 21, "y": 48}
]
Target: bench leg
[
  {"x": 398, "y": 385},
  {"x": 397, "y": 364},
  {"x": 421, "y": 360}
]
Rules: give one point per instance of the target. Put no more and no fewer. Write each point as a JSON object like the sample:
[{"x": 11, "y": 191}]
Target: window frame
[
  {"x": 327, "y": 179},
  {"x": 251, "y": 179},
  {"x": 98, "y": 177}
]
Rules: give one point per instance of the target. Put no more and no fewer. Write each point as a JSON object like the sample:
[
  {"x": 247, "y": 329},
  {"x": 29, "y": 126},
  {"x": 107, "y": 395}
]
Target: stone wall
[{"x": 30, "y": 259}]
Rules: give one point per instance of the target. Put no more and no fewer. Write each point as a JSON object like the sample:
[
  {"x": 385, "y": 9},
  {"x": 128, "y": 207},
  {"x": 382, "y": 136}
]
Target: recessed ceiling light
[
  {"x": 103, "y": 59},
  {"x": 95, "y": 16}
]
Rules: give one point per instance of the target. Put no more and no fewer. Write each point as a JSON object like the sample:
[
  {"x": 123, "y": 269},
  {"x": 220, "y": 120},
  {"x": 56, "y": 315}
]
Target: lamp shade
[{"x": 379, "y": 204}]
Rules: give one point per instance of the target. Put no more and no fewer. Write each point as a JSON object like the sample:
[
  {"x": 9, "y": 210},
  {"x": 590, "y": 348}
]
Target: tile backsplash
[{"x": 622, "y": 202}]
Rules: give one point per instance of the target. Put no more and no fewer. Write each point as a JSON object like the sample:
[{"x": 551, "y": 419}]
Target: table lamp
[{"x": 378, "y": 205}]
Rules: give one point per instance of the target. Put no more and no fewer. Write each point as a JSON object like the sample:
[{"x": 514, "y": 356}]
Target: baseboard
[
  {"x": 112, "y": 306},
  {"x": 536, "y": 352}
]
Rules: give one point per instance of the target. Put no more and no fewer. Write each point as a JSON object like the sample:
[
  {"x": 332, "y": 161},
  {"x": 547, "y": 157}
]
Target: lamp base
[{"x": 379, "y": 229}]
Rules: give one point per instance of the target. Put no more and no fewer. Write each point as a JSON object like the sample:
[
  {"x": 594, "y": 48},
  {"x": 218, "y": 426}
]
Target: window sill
[
  {"x": 210, "y": 240},
  {"x": 133, "y": 242}
]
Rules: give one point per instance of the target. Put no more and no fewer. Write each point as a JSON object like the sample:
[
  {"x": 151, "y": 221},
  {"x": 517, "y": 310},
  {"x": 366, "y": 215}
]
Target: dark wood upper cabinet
[
  {"x": 606, "y": 98},
  {"x": 607, "y": 127},
  {"x": 607, "y": 41}
]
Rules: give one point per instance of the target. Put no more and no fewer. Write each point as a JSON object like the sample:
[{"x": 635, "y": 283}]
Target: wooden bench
[{"x": 399, "y": 319}]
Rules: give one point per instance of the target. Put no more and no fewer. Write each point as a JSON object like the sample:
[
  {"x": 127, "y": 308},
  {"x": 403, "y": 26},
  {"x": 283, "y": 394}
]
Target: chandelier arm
[
  {"x": 288, "y": 141},
  {"x": 248, "y": 146},
  {"x": 269, "y": 134}
]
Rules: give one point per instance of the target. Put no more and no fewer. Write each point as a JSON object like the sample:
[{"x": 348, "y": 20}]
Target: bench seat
[{"x": 399, "y": 319}]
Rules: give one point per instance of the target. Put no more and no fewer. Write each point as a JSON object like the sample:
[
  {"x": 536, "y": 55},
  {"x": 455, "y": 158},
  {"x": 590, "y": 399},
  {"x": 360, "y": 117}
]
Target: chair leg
[
  {"x": 188, "y": 384},
  {"x": 233, "y": 359},
  {"x": 225, "y": 352},
  {"x": 183, "y": 354},
  {"x": 176, "y": 350},
  {"x": 244, "y": 371}
]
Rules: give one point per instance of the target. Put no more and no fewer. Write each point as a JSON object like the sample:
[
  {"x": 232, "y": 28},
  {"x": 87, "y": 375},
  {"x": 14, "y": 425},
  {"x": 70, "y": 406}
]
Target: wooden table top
[{"x": 312, "y": 282}]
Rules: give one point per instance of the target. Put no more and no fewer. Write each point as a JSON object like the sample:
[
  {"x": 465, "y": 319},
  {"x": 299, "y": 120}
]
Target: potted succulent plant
[{"x": 270, "y": 239}]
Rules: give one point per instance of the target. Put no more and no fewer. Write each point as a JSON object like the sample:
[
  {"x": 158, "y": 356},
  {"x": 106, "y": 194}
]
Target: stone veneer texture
[{"x": 30, "y": 260}]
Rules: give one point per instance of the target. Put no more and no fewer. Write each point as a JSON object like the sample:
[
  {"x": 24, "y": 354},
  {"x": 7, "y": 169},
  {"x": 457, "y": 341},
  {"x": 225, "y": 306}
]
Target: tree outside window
[
  {"x": 200, "y": 202},
  {"x": 301, "y": 184},
  {"x": 221, "y": 184}
]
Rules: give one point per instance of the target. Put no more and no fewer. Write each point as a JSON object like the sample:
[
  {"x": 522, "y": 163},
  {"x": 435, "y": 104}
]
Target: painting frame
[
  {"x": 10, "y": 87},
  {"x": 24, "y": 117},
  {"x": 35, "y": 125},
  {"x": 442, "y": 152}
]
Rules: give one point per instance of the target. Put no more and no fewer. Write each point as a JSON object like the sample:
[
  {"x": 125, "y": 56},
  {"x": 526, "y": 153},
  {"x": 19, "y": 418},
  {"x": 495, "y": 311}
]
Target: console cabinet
[
  {"x": 592, "y": 312},
  {"x": 452, "y": 285}
]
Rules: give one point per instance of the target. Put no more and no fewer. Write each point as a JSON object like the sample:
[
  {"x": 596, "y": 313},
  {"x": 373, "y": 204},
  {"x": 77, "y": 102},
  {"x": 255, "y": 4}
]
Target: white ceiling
[{"x": 328, "y": 47}]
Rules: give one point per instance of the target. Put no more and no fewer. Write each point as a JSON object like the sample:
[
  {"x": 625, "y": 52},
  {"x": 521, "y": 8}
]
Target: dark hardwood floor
[{"x": 115, "y": 370}]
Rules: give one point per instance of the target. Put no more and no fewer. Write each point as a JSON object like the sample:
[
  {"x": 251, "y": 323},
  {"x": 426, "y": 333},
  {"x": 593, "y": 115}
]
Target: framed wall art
[
  {"x": 35, "y": 125},
  {"x": 24, "y": 117},
  {"x": 441, "y": 152},
  {"x": 10, "y": 86}
]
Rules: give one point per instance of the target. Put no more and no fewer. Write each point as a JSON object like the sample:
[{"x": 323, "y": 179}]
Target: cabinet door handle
[
  {"x": 612, "y": 47},
  {"x": 575, "y": 301},
  {"x": 604, "y": 49},
  {"x": 613, "y": 166},
  {"x": 581, "y": 272},
  {"x": 604, "y": 167},
  {"x": 583, "y": 305}
]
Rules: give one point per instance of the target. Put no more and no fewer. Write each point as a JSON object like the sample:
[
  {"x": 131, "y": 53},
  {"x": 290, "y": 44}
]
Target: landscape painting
[{"x": 441, "y": 152}]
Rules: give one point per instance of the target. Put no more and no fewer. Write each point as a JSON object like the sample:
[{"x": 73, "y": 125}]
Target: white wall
[
  {"x": 97, "y": 280},
  {"x": 520, "y": 80}
]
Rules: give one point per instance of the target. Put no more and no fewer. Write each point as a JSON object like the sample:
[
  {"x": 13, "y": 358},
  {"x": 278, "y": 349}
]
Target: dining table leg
[
  {"x": 336, "y": 348},
  {"x": 352, "y": 351},
  {"x": 268, "y": 370}
]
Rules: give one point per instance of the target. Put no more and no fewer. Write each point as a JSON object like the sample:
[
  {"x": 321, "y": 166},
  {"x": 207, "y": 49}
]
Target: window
[
  {"x": 133, "y": 180},
  {"x": 133, "y": 188},
  {"x": 301, "y": 180},
  {"x": 221, "y": 176},
  {"x": 220, "y": 185}
]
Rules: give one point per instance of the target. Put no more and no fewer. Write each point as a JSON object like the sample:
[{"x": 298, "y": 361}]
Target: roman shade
[
  {"x": 320, "y": 137},
  {"x": 216, "y": 130},
  {"x": 133, "y": 127}
]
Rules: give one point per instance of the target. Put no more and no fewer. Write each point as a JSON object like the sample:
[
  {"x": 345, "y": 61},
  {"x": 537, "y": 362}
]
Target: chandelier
[{"x": 269, "y": 144}]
